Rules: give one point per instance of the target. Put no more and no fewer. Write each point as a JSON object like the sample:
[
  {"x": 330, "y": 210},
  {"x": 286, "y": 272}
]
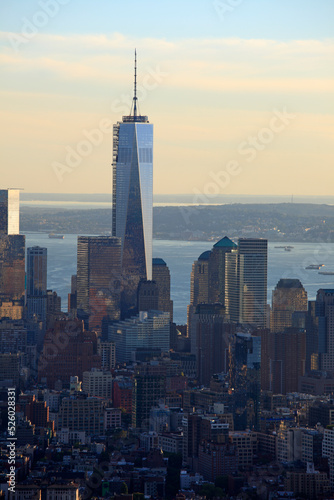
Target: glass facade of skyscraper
[
  {"x": 147, "y": 330},
  {"x": 36, "y": 282},
  {"x": 12, "y": 266},
  {"x": 12, "y": 256},
  {"x": 133, "y": 195},
  {"x": 246, "y": 282},
  {"x": 133, "y": 203},
  {"x": 98, "y": 279},
  {"x": 253, "y": 279},
  {"x": 9, "y": 211},
  {"x": 245, "y": 380}
]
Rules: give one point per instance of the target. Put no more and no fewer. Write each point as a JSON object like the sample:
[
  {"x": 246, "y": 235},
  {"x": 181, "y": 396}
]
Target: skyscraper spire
[{"x": 135, "y": 88}]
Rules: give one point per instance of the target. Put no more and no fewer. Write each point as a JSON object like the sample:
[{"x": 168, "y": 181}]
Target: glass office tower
[
  {"x": 9, "y": 211},
  {"x": 36, "y": 282},
  {"x": 12, "y": 256},
  {"x": 252, "y": 268},
  {"x": 245, "y": 380},
  {"x": 246, "y": 282},
  {"x": 133, "y": 199},
  {"x": 98, "y": 280}
]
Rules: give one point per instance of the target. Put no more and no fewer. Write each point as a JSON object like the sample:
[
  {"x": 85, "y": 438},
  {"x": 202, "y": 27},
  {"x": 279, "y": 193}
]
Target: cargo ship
[{"x": 56, "y": 236}]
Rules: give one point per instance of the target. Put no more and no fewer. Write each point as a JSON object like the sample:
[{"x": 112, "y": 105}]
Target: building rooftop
[
  {"x": 135, "y": 119},
  {"x": 225, "y": 242},
  {"x": 205, "y": 255},
  {"x": 289, "y": 283},
  {"x": 156, "y": 261}
]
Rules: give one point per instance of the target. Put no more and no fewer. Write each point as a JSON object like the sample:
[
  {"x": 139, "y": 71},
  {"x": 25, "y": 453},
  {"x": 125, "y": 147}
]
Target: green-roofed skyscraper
[{"x": 207, "y": 283}]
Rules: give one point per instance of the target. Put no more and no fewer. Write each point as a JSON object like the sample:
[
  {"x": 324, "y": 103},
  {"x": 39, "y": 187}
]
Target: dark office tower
[
  {"x": 294, "y": 362},
  {"x": 10, "y": 370},
  {"x": 199, "y": 285},
  {"x": 36, "y": 283},
  {"x": 74, "y": 283},
  {"x": 12, "y": 256},
  {"x": 149, "y": 387},
  {"x": 245, "y": 380},
  {"x": 76, "y": 352},
  {"x": 209, "y": 341},
  {"x": 324, "y": 309},
  {"x": 72, "y": 297},
  {"x": 98, "y": 280},
  {"x": 13, "y": 336},
  {"x": 312, "y": 335},
  {"x": 265, "y": 335},
  {"x": 12, "y": 267},
  {"x": 283, "y": 355},
  {"x": 299, "y": 319},
  {"x": 133, "y": 199},
  {"x": 289, "y": 296},
  {"x": 199, "y": 280},
  {"x": 161, "y": 275},
  {"x": 148, "y": 296},
  {"x": 53, "y": 308},
  {"x": 217, "y": 263},
  {"x": 246, "y": 282},
  {"x": 232, "y": 287}
]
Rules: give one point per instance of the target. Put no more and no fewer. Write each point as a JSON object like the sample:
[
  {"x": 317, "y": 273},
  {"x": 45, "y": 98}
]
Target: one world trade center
[{"x": 133, "y": 199}]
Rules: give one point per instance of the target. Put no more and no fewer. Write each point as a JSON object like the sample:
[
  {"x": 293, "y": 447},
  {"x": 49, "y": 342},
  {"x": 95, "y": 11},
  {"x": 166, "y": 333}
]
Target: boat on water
[
  {"x": 314, "y": 266},
  {"x": 56, "y": 236},
  {"x": 287, "y": 248},
  {"x": 326, "y": 273}
]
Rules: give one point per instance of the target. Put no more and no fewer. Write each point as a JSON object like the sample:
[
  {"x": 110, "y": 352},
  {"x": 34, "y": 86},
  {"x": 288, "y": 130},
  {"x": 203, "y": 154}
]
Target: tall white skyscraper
[{"x": 133, "y": 197}]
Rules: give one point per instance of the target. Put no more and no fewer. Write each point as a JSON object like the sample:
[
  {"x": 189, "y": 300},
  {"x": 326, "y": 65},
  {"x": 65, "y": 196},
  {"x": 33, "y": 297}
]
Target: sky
[{"x": 240, "y": 93}]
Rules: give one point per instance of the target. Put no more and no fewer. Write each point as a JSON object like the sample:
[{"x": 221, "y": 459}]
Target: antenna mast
[{"x": 135, "y": 88}]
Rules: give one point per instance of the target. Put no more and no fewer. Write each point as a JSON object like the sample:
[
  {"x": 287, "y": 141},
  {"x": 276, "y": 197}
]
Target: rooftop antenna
[{"x": 135, "y": 88}]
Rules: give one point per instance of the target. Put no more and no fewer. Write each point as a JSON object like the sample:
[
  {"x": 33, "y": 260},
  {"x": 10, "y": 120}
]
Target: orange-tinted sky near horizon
[{"x": 231, "y": 115}]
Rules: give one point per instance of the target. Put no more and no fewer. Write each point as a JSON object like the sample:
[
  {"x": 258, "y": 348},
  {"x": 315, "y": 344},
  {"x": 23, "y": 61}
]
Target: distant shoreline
[
  {"x": 175, "y": 199},
  {"x": 277, "y": 222}
]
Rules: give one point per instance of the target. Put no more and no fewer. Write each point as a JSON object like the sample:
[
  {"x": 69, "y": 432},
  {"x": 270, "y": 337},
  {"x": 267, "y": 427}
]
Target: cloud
[
  {"x": 216, "y": 93},
  {"x": 219, "y": 65}
]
